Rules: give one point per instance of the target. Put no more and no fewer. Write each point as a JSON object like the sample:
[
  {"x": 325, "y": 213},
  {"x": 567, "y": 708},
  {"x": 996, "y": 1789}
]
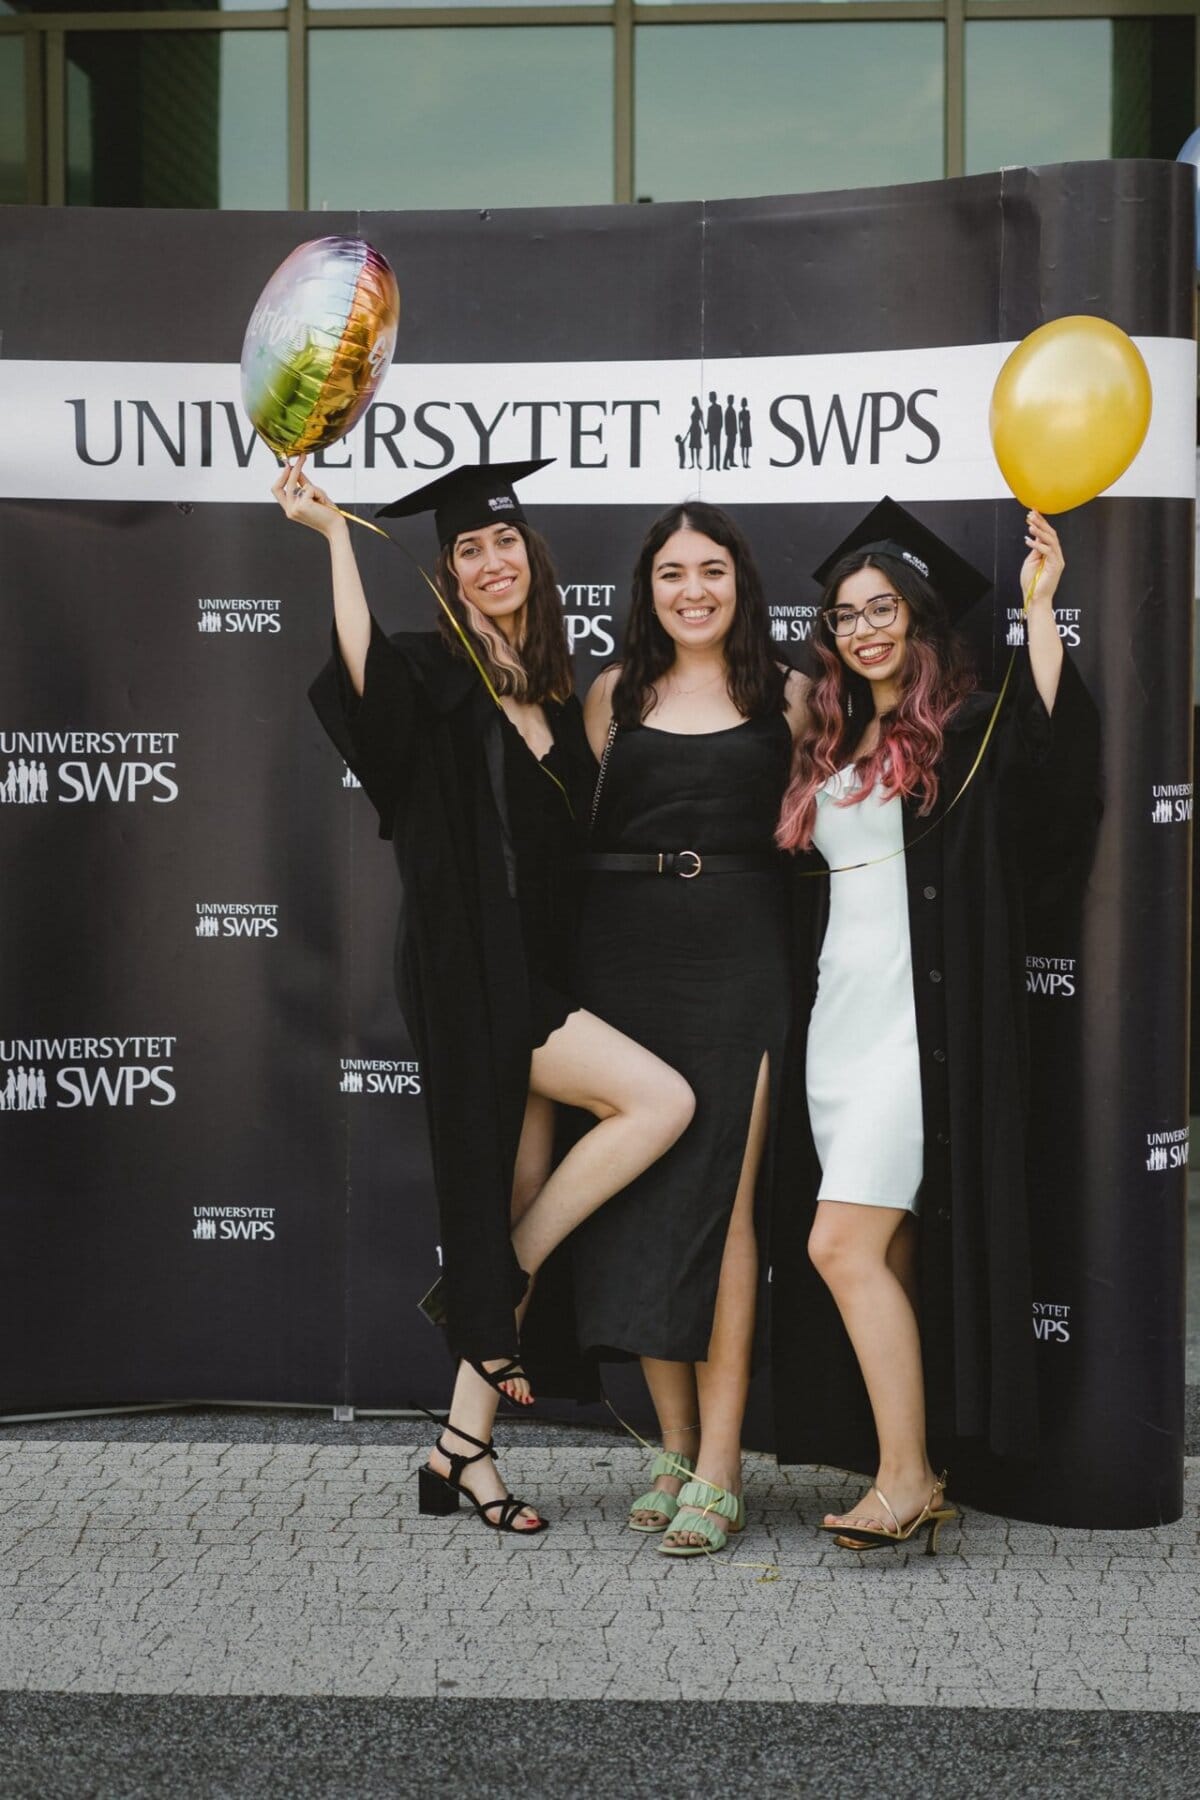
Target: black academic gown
[
  {"x": 1020, "y": 836},
  {"x": 425, "y": 742}
]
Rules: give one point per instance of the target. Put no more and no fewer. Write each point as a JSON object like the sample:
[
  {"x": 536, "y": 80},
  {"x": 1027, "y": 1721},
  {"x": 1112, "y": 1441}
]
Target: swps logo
[
  {"x": 1170, "y": 802},
  {"x": 250, "y": 618},
  {"x": 379, "y": 1075},
  {"x": 68, "y": 1072},
  {"x": 1051, "y": 1322},
  {"x": 234, "y": 1224},
  {"x": 70, "y": 766},
  {"x": 1065, "y": 617},
  {"x": 236, "y": 918},
  {"x": 588, "y": 617},
  {"x": 793, "y": 624},
  {"x": 1167, "y": 1150},
  {"x": 1053, "y": 976}
]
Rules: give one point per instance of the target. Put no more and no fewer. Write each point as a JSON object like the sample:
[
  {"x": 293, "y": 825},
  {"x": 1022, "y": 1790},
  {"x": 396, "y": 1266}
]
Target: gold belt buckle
[{"x": 690, "y": 874}]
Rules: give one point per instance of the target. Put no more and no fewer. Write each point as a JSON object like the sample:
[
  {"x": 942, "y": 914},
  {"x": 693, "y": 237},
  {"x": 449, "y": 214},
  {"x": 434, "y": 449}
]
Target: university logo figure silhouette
[
  {"x": 209, "y": 621},
  {"x": 23, "y": 1091},
  {"x": 351, "y": 1082},
  {"x": 205, "y": 1228},
  {"x": 208, "y": 926},
  {"x": 1164, "y": 812},
  {"x": 1157, "y": 1158},
  {"x": 350, "y": 779},
  {"x": 25, "y": 783},
  {"x": 726, "y": 430}
]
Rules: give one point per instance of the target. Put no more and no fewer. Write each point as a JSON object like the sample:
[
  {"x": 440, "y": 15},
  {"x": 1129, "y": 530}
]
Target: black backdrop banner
[{"x": 215, "y": 1174}]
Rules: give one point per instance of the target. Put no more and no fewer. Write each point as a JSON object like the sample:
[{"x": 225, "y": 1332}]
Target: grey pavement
[
  {"x": 239, "y": 1569},
  {"x": 240, "y": 1602}
]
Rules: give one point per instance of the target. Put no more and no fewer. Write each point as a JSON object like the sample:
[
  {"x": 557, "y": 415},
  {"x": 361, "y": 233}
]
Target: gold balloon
[{"x": 1070, "y": 410}]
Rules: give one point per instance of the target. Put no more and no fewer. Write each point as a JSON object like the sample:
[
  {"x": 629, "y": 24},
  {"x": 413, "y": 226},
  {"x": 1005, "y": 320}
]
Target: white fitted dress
[{"x": 863, "y": 1073}]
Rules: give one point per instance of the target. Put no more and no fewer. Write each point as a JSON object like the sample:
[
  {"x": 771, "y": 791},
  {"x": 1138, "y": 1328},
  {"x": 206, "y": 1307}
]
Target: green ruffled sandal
[
  {"x": 667, "y": 1462},
  {"x": 710, "y": 1505}
]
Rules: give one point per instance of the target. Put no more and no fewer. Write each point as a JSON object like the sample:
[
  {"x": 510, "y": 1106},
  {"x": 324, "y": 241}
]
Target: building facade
[{"x": 337, "y": 105}]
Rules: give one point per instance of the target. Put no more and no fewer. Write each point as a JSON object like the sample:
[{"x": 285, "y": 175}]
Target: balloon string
[
  {"x": 874, "y": 861},
  {"x": 462, "y": 636}
]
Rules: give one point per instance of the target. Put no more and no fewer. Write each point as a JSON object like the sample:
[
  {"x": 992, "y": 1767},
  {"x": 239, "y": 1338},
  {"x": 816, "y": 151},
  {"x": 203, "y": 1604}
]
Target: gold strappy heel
[{"x": 932, "y": 1516}]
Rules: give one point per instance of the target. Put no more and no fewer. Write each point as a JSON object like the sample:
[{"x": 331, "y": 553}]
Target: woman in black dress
[
  {"x": 470, "y": 746},
  {"x": 683, "y": 945}
]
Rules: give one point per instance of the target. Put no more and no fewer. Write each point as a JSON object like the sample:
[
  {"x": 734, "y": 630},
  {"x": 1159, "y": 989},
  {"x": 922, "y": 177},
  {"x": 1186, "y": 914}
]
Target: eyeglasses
[{"x": 879, "y": 612}]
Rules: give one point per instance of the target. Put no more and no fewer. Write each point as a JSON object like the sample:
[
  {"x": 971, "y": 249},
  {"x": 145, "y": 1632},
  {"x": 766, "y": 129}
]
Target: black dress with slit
[{"x": 697, "y": 970}]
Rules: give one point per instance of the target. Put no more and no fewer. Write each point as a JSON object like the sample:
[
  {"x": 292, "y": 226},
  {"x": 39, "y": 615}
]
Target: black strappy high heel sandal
[{"x": 438, "y": 1495}]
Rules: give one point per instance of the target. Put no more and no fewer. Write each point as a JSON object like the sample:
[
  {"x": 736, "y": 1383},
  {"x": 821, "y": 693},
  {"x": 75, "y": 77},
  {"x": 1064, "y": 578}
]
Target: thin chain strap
[{"x": 612, "y": 732}]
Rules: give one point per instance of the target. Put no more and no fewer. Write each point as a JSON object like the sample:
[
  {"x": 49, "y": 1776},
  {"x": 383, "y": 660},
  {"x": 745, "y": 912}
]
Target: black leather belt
[{"x": 686, "y": 864}]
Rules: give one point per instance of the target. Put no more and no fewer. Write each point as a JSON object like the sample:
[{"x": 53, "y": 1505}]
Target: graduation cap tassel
[
  {"x": 461, "y": 634},
  {"x": 434, "y": 590}
]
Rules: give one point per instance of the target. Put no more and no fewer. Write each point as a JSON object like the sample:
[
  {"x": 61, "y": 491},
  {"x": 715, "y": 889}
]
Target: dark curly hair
[{"x": 755, "y": 680}]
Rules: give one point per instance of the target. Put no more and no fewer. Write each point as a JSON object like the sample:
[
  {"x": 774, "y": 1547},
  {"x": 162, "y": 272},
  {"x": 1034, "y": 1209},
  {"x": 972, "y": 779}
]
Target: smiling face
[
  {"x": 693, "y": 584},
  {"x": 876, "y": 651},
  {"x": 492, "y": 569}
]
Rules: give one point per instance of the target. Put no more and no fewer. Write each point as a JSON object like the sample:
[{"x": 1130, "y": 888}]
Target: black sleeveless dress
[{"x": 697, "y": 971}]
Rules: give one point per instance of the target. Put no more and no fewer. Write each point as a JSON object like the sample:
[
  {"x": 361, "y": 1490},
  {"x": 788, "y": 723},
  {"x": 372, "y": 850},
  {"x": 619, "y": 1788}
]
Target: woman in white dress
[{"x": 873, "y": 772}]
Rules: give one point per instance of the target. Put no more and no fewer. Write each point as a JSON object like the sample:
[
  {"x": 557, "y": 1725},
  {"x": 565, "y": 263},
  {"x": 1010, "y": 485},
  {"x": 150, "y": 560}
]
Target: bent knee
[{"x": 673, "y": 1105}]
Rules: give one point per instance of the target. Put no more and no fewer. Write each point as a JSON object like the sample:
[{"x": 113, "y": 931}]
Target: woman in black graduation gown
[
  {"x": 470, "y": 746},
  {"x": 684, "y": 945},
  {"x": 907, "y": 1191}
]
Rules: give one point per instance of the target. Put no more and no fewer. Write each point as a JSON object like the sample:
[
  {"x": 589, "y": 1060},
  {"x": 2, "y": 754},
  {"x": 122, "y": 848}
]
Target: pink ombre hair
[{"x": 933, "y": 682}]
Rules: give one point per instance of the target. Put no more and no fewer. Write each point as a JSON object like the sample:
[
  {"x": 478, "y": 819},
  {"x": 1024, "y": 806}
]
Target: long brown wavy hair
[
  {"x": 934, "y": 679},
  {"x": 755, "y": 681},
  {"x": 537, "y": 667}
]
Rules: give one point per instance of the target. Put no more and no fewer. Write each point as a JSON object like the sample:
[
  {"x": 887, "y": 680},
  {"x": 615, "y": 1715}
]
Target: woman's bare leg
[
  {"x": 672, "y": 1388},
  {"x": 642, "y": 1107},
  {"x": 723, "y": 1378},
  {"x": 473, "y": 1403},
  {"x": 870, "y": 1277}
]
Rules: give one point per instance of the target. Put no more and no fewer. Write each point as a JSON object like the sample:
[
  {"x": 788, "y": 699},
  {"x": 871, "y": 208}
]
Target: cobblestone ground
[{"x": 282, "y": 1569}]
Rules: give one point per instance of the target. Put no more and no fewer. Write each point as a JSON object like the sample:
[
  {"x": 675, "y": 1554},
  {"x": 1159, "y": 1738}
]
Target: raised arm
[
  {"x": 1043, "y": 567},
  {"x": 311, "y": 506}
]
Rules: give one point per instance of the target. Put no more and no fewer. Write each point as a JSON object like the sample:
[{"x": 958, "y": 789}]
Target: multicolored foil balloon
[
  {"x": 1191, "y": 154},
  {"x": 1070, "y": 410},
  {"x": 319, "y": 342}
]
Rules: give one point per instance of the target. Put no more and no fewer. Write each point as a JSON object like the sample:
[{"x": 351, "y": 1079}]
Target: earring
[{"x": 850, "y": 705}]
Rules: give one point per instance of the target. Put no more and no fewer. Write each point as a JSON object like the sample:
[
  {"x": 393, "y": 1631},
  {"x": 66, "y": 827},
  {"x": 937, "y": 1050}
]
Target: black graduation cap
[
  {"x": 890, "y": 528},
  {"x": 467, "y": 498}
]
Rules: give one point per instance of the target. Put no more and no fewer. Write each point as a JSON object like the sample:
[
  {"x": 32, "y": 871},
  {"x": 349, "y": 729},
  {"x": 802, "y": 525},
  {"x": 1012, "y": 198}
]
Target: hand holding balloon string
[{"x": 307, "y": 504}]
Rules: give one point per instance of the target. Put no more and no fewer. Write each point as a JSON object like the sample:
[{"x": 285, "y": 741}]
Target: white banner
[{"x": 772, "y": 430}]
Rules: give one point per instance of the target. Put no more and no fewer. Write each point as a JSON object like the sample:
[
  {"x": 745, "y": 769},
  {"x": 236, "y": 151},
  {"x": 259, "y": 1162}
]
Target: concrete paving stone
[{"x": 225, "y": 1586}]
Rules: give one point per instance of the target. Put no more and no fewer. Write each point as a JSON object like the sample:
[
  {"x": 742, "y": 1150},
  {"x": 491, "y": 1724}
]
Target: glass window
[
  {"x": 477, "y": 116},
  {"x": 369, "y": 5},
  {"x": 1087, "y": 88},
  {"x": 728, "y": 110},
  {"x": 139, "y": 6},
  {"x": 12, "y": 120},
  {"x": 177, "y": 118}
]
